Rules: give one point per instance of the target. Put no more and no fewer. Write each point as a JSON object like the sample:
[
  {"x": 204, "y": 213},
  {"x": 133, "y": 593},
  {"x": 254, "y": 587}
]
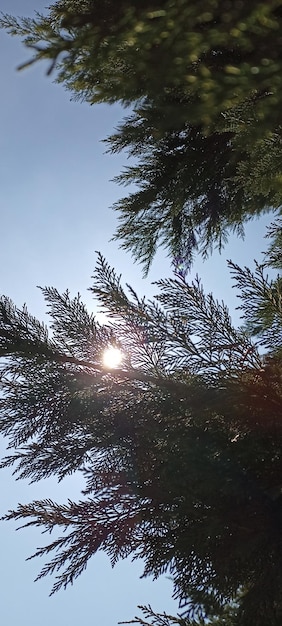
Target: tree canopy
[
  {"x": 193, "y": 189},
  {"x": 179, "y": 446},
  {"x": 204, "y": 80},
  {"x": 219, "y": 52}
]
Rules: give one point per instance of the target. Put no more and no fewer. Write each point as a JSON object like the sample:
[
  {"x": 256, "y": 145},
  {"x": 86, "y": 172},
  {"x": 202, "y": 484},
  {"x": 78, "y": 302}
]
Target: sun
[{"x": 112, "y": 357}]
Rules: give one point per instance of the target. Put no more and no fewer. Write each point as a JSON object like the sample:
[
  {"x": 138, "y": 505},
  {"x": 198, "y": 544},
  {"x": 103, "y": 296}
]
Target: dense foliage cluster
[
  {"x": 219, "y": 51},
  {"x": 179, "y": 447},
  {"x": 204, "y": 80},
  {"x": 192, "y": 188}
]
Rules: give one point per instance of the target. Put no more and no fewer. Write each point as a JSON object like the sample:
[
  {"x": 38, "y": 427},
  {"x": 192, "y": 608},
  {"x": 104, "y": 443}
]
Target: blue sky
[{"x": 55, "y": 199}]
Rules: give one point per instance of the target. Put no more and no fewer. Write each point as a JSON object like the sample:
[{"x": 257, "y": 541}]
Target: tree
[
  {"x": 192, "y": 188},
  {"x": 204, "y": 80},
  {"x": 218, "y": 52},
  {"x": 180, "y": 447}
]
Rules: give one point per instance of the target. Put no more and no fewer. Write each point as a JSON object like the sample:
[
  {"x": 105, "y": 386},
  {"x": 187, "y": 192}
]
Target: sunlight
[{"x": 112, "y": 357}]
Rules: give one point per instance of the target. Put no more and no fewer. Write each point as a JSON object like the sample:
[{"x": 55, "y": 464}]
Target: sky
[{"x": 55, "y": 199}]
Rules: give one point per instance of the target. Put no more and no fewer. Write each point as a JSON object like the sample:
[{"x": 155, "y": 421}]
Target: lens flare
[{"x": 112, "y": 357}]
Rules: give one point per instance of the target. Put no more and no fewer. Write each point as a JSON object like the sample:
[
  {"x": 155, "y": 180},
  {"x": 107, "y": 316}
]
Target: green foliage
[
  {"x": 228, "y": 617},
  {"x": 150, "y": 618},
  {"x": 180, "y": 446},
  {"x": 261, "y": 295},
  {"x": 204, "y": 81},
  {"x": 219, "y": 52},
  {"x": 274, "y": 255},
  {"x": 192, "y": 188}
]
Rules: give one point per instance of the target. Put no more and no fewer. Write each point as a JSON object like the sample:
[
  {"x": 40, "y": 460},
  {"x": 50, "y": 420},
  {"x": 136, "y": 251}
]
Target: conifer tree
[
  {"x": 218, "y": 52},
  {"x": 204, "y": 81},
  {"x": 193, "y": 189},
  {"x": 179, "y": 445}
]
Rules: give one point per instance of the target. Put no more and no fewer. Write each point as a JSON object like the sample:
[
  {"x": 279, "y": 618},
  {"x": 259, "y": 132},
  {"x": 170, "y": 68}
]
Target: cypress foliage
[
  {"x": 204, "y": 81},
  {"x": 193, "y": 189},
  {"x": 219, "y": 52},
  {"x": 179, "y": 446}
]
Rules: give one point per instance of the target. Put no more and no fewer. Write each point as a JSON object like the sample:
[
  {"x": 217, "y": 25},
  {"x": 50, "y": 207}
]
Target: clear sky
[{"x": 55, "y": 199}]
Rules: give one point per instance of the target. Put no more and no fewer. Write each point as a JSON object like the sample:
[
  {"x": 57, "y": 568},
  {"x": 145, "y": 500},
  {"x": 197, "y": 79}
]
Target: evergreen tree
[
  {"x": 204, "y": 80},
  {"x": 218, "y": 52},
  {"x": 180, "y": 445},
  {"x": 192, "y": 188}
]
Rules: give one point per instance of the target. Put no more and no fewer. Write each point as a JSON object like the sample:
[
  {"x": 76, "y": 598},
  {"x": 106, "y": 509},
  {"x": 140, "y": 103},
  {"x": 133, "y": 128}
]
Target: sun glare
[{"x": 112, "y": 357}]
